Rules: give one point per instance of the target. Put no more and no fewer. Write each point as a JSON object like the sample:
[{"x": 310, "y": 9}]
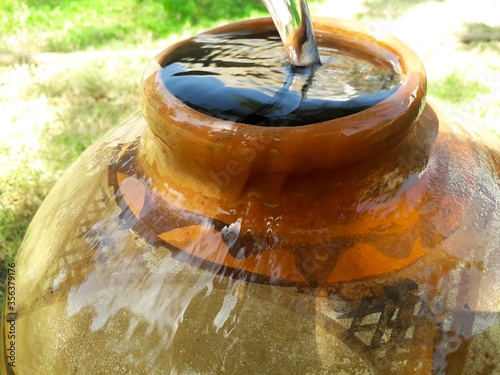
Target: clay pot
[{"x": 181, "y": 243}]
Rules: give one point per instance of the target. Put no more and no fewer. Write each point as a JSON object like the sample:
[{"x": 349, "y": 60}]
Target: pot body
[{"x": 142, "y": 263}]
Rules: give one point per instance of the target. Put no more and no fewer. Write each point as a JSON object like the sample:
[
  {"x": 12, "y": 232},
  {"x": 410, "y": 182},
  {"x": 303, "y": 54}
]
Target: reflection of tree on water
[
  {"x": 236, "y": 62},
  {"x": 254, "y": 83}
]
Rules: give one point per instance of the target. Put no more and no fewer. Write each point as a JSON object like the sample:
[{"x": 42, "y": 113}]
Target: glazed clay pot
[{"x": 184, "y": 244}]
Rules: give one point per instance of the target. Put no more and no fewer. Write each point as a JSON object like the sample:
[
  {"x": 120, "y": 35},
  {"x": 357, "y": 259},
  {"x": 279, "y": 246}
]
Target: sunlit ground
[{"x": 55, "y": 105}]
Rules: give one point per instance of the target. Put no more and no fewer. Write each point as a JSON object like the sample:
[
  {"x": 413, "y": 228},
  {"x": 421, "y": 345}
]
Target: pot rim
[{"x": 329, "y": 143}]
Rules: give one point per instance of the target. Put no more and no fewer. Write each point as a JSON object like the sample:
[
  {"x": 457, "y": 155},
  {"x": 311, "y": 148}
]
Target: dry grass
[{"x": 52, "y": 113}]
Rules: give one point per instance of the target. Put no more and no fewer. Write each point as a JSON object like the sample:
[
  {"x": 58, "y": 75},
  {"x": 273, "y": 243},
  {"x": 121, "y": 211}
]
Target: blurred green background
[
  {"x": 71, "y": 25},
  {"x": 70, "y": 70}
]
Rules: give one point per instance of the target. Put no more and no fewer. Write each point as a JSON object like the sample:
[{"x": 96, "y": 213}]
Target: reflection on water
[{"x": 247, "y": 78}]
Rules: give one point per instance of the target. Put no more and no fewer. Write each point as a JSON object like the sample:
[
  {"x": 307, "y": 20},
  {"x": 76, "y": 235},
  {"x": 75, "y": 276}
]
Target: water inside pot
[{"x": 246, "y": 77}]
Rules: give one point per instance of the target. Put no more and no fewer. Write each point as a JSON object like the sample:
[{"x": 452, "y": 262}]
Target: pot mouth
[
  {"x": 246, "y": 77},
  {"x": 388, "y": 121}
]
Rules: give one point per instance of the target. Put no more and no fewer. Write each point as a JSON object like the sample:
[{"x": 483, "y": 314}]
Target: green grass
[
  {"x": 457, "y": 90},
  {"x": 90, "y": 100},
  {"x": 24, "y": 190},
  {"x": 22, "y": 194},
  {"x": 71, "y": 25},
  {"x": 68, "y": 25},
  {"x": 202, "y": 12}
]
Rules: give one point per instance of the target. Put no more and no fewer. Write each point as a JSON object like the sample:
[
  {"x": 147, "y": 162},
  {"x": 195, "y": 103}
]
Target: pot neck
[{"x": 229, "y": 157}]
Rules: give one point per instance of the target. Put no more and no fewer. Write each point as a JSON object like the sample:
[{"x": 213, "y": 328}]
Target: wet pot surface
[{"x": 182, "y": 243}]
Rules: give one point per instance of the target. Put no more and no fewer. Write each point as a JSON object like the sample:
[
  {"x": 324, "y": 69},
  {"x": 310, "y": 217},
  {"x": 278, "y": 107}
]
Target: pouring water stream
[{"x": 293, "y": 22}]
